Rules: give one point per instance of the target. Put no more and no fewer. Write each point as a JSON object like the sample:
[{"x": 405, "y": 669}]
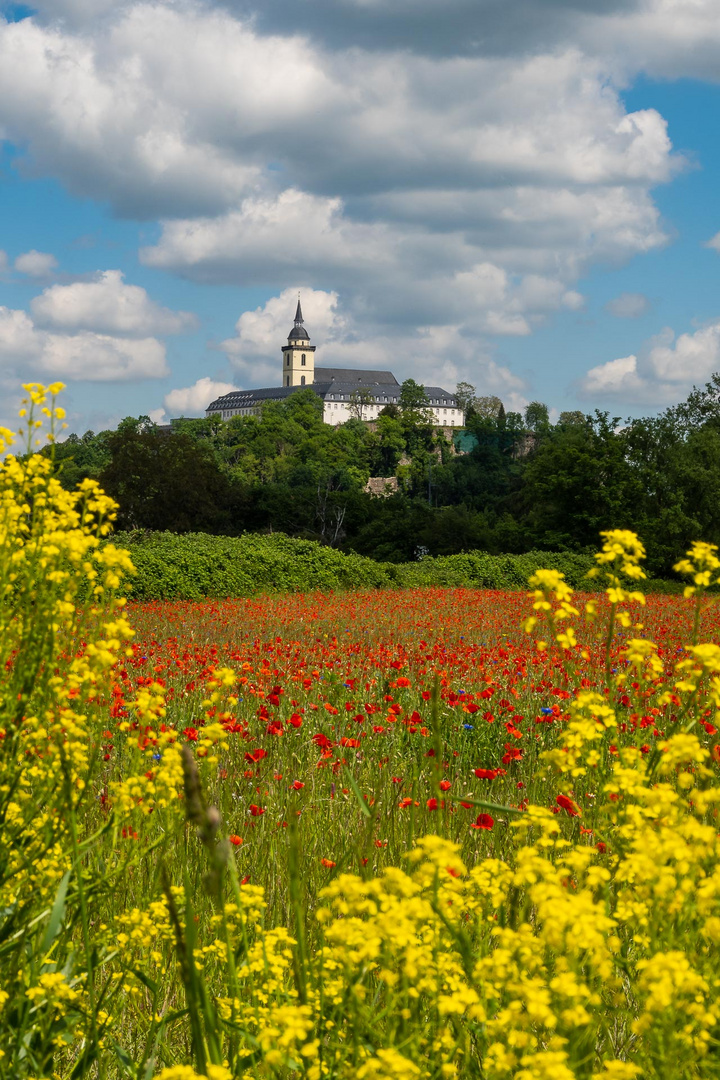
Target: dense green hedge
[{"x": 196, "y": 565}]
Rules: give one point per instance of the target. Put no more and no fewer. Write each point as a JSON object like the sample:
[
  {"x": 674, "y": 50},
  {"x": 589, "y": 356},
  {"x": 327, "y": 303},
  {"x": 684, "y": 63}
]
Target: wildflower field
[{"x": 397, "y": 834}]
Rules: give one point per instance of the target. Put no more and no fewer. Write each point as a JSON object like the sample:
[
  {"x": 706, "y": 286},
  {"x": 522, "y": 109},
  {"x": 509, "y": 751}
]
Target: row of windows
[
  {"x": 342, "y": 405},
  {"x": 228, "y": 413},
  {"x": 302, "y": 360},
  {"x": 287, "y": 380}
]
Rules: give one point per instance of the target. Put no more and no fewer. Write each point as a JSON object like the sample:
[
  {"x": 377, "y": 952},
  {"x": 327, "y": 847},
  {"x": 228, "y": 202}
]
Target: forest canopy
[{"x": 507, "y": 483}]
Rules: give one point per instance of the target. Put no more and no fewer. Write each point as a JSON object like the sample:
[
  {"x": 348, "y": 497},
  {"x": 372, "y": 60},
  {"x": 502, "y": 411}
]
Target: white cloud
[
  {"x": 194, "y": 400},
  {"x": 506, "y": 277},
  {"x": 31, "y": 352},
  {"x": 191, "y": 401},
  {"x": 662, "y": 373},
  {"x": 628, "y": 305},
  {"x": 616, "y": 377},
  {"x": 36, "y": 264},
  {"x": 267, "y": 237},
  {"x": 107, "y": 305},
  {"x": 183, "y": 105},
  {"x": 714, "y": 242},
  {"x": 4, "y": 264},
  {"x": 428, "y": 188},
  {"x": 689, "y": 358}
]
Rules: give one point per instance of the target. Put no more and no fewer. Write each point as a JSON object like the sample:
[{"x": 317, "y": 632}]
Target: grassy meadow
[{"x": 384, "y": 835}]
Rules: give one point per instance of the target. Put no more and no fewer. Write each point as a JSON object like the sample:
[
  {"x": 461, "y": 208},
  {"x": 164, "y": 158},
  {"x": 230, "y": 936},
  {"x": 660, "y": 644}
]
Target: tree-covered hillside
[{"x": 522, "y": 483}]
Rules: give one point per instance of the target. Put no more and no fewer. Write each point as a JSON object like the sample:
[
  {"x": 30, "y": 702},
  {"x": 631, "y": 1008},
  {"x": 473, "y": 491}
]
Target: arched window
[
  {"x": 302, "y": 380},
  {"x": 287, "y": 380},
  {"x": 287, "y": 360},
  {"x": 302, "y": 361}
]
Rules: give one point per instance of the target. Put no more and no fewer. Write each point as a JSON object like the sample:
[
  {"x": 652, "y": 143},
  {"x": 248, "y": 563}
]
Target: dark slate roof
[
  {"x": 243, "y": 399},
  {"x": 352, "y": 375},
  {"x": 384, "y": 393}
]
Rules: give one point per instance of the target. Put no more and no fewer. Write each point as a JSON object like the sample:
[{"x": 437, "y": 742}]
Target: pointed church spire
[{"x": 298, "y": 331}]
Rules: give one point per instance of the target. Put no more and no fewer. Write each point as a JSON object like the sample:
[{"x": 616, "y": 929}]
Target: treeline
[{"x": 523, "y": 484}]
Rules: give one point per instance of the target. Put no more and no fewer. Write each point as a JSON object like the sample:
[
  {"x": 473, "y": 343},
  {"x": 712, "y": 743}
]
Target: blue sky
[{"x": 452, "y": 201}]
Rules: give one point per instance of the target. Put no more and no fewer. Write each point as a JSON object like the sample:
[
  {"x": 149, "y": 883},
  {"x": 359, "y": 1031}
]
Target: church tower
[{"x": 298, "y": 355}]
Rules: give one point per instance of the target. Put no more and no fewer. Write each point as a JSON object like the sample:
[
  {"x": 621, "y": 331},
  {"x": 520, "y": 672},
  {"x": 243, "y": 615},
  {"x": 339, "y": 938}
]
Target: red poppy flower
[
  {"x": 297, "y": 785},
  {"x": 328, "y": 863},
  {"x": 235, "y": 840},
  {"x": 255, "y": 755},
  {"x": 568, "y": 805},
  {"x": 512, "y": 753},
  {"x": 256, "y": 811},
  {"x": 483, "y": 821},
  {"x": 445, "y": 785}
]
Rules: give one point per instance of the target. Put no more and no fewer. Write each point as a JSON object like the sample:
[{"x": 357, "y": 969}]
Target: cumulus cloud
[
  {"x": 496, "y": 279},
  {"x": 32, "y": 352},
  {"x": 189, "y": 106},
  {"x": 714, "y": 242},
  {"x": 628, "y": 305},
  {"x": 468, "y": 186},
  {"x": 37, "y": 264},
  {"x": 107, "y": 305},
  {"x": 663, "y": 371},
  {"x": 191, "y": 400}
]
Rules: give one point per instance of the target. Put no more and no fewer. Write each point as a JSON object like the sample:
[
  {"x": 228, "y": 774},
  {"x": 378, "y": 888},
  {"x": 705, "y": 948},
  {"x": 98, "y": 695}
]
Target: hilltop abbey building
[{"x": 336, "y": 387}]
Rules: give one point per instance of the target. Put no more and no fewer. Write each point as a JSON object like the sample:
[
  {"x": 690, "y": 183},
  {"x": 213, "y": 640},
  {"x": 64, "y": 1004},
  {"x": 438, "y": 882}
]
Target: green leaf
[
  {"x": 124, "y": 1059},
  {"x": 56, "y": 915},
  {"x": 146, "y": 981},
  {"x": 365, "y": 809},
  {"x": 484, "y": 805}
]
